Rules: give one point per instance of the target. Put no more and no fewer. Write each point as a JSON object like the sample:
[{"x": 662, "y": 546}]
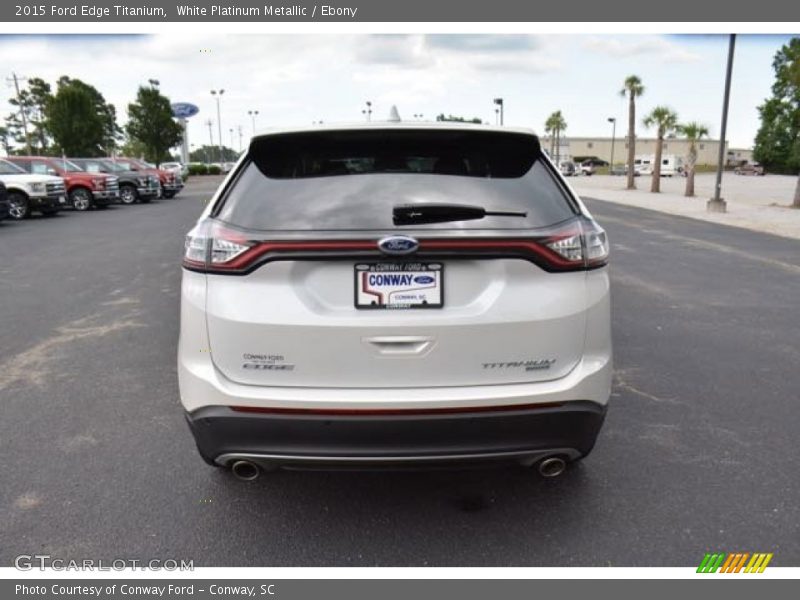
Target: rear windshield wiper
[{"x": 414, "y": 214}]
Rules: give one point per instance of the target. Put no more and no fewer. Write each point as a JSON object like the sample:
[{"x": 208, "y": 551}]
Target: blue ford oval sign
[
  {"x": 398, "y": 244},
  {"x": 184, "y": 110}
]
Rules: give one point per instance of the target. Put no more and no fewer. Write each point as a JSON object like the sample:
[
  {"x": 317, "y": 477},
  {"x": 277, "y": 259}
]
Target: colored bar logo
[{"x": 735, "y": 562}]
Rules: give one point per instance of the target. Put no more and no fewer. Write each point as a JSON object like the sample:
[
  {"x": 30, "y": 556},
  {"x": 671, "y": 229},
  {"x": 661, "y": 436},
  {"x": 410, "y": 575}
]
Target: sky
[{"x": 295, "y": 79}]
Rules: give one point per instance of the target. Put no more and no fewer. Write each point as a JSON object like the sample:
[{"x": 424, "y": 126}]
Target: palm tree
[
  {"x": 550, "y": 129},
  {"x": 664, "y": 119},
  {"x": 555, "y": 125},
  {"x": 632, "y": 88},
  {"x": 693, "y": 132}
]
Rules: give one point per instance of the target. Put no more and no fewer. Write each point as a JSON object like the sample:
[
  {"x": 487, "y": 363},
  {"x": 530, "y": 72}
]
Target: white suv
[{"x": 390, "y": 294}]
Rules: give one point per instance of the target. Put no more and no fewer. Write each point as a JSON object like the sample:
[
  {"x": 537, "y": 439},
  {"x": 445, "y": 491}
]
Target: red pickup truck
[
  {"x": 171, "y": 182},
  {"x": 84, "y": 190}
]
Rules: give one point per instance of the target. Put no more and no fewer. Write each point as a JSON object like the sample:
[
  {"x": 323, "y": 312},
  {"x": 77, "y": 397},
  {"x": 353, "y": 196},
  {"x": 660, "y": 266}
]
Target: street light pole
[
  {"x": 613, "y": 122},
  {"x": 253, "y": 114},
  {"x": 368, "y": 111},
  {"x": 499, "y": 102},
  {"x": 218, "y": 96},
  {"x": 209, "y": 124},
  {"x": 717, "y": 203}
]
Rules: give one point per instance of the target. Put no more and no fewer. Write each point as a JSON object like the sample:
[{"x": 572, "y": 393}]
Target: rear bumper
[{"x": 294, "y": 440}]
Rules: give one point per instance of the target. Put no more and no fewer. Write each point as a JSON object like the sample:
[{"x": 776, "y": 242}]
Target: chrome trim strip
[{"x": 528, "y": 456}]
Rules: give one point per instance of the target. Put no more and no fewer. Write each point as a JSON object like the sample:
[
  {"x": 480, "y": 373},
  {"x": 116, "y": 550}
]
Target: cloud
[
  {"x": 395, "y": 50},
  {"x": 502, "y": 53},
  {"x": 483, "y": 43},
  {"x": 465, "y": 53},
  {"x": 660, "y": 48}
]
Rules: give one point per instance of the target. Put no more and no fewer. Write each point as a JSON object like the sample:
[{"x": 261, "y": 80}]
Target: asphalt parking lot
[{"x": 699, "y": 452}]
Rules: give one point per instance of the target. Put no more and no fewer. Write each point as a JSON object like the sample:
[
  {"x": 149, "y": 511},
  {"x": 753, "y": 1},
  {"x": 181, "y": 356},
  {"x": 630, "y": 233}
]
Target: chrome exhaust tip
[
  {"x": 245, "y": 470},
  {"x": 552, "y": 466}
]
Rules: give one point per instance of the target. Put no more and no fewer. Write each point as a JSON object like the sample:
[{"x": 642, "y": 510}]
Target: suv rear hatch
[{"x": 310, "y": 208}]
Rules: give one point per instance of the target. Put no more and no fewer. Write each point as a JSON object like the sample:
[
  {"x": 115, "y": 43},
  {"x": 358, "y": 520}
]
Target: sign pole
[
  {"x": 185, "y": 145},
  {"x": 182, "y": 111}
]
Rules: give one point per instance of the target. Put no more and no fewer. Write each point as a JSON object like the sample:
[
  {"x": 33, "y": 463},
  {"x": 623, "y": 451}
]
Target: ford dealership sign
[{"x": 184, "y": 110}]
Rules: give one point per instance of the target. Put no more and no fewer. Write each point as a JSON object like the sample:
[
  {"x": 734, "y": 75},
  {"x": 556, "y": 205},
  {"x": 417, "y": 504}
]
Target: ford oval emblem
[{"x": 398, "y": 244}]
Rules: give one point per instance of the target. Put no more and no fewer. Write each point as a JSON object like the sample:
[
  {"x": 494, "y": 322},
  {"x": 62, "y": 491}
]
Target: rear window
[{"x": 351, "y": 180}]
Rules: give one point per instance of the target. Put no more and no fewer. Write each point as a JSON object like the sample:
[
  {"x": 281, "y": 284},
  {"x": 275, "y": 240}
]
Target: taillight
[
  {"x": 570, "y": 248},
  {"x": 224, "y": 251},
  {"x": 585, "y": 246},
  {"x": 212, "y": 247},
  {"x": 596, "y": 243}
]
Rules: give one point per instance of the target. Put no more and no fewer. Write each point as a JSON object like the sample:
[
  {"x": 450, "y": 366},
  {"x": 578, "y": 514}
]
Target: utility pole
[
  {"x": 368, "y": 111},
  {"x": 22, "y": 115},
  {"x": 717, "y": 204}
]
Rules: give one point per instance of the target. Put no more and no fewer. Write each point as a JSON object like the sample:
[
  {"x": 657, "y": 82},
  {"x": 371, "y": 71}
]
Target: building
[{"x": 707, "y": 149}]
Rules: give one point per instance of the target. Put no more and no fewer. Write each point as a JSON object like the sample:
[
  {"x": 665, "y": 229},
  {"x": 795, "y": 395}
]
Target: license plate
[
  {"x": 399, "y": 285},
  {"x": 62, "y": 200}
]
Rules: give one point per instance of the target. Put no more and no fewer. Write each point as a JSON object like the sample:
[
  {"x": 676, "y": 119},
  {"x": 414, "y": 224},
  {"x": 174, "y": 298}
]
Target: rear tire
[
  {"x": 81, "y": 199},
  {"x": 128, "y": 194},
  {"x": 19, "y": 207}
]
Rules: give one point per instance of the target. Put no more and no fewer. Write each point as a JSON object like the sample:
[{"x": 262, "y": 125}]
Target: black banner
[{"x": 404, "y": 11}]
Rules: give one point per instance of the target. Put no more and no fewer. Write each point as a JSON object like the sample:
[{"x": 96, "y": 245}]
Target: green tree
[
  {"x": 693, "y": 132},
  {"x": 4, "y": 135},
  {"x": 664, "y": 120},
  {"x": 80, "y": 121},
  {"x": 209, "y": 154},
  {"x": 632, "y": 89},
  {"x": 442, "y": 117},
  {"x": 150, "y": 123},
  {"x": 33, "y": 102},
  {"x": 777, "y": 143},
  {"x": 554, "y": 126},
  {"x": 133, "y": 148}
]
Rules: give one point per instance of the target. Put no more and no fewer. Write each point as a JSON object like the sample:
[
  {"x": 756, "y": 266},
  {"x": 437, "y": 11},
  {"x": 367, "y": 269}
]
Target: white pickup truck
[{"x": 27, "y": 192}]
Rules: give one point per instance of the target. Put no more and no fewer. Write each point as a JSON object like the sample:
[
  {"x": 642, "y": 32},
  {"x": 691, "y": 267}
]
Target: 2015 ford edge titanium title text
[{"x": 394, "y": 294}]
